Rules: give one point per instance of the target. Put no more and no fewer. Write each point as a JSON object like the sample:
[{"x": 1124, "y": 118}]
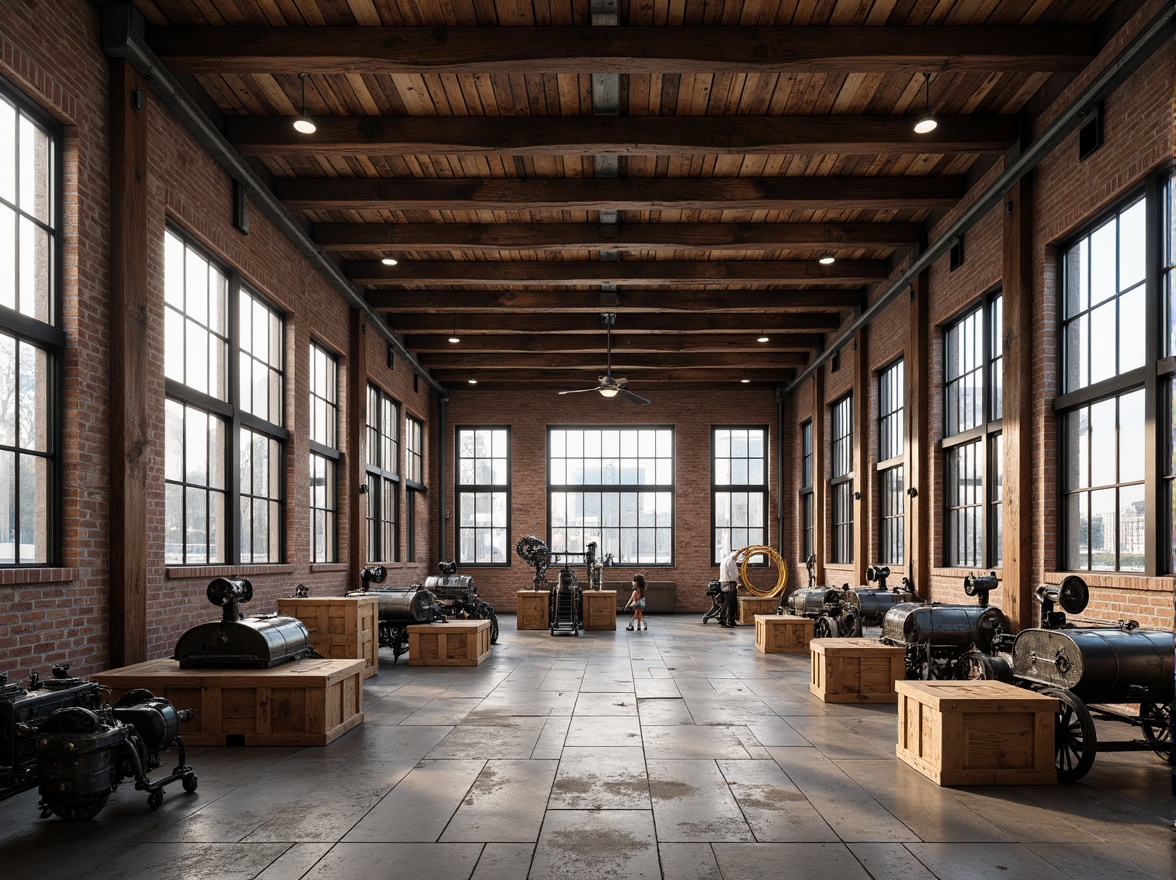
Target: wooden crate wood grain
[
  {"x": 750, "y": 606},
  {"x": 301, "y": 703},
  {"x": 453, "y": 643},
  {"x": 976, "y": 732},
  {"x": 532, "y": 609},
  {"x": 340, "y": 627},
  {"x": 855, "y": 670},
  {"x": 600, "y": 609},
  {"x": 782, "y": 634}
]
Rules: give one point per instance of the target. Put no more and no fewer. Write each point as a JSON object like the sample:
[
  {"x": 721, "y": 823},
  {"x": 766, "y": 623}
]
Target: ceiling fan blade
[
  {"x": 633, "y": 398},
  {"x": 581, "y": 390}
]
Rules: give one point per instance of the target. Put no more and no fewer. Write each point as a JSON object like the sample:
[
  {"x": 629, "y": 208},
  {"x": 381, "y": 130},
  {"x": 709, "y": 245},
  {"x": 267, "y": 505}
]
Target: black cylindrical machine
[
  {"x": 1100, "y": 664},
  {"x": 457, "y": 594},
  {"x": 398, "y": 609},
  {"x": 815, "y": 601},
  {"x": 870, "y": 607},
  {"x": 239, "y": 642},
  {"x": 949, "y": 626}
]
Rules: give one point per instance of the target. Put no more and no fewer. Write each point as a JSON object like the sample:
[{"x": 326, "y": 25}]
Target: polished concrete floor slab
[{"x": 679, "y": 752}]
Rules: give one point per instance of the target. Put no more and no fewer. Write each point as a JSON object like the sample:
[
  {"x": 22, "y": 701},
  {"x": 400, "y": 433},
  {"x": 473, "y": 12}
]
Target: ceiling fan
[{"x": 610, "y": 387}]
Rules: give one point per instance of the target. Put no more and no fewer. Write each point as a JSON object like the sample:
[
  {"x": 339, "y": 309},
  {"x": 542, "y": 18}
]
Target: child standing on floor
[{"x": 637, "y": 603}]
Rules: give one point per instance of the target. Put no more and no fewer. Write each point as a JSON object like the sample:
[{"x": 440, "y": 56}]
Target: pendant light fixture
[
  {"x": 827, "y": 260},
  {"x": 927, "y": 123},
  {"x": 389, "y": 261},
  {"x": 302, "y": 124},
  {"x": 453, "y": 337}
]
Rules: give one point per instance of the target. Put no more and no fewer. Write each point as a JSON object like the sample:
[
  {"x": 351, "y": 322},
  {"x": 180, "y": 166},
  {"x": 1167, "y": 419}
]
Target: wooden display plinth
[
  {"x": 855, "y": 670},
  {"x": 976, "y": 732},
  {"x": 750, "y": 606},
  {"x": 453, "y": 643},
  {"x": 600, "y": 609},
  {"x": 532, "y": 609},
  {"x": 301, "y": 703},
  {"x": 782, "y": 634},
  {"x": 341, "y": 627}
]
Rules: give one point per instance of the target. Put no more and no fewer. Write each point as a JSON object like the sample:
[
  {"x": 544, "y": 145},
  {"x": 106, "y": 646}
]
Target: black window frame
[
  {"x": 43, "y": 336},
  {"x": 465, "y": 489},
  {"x": 841, "y": 479},
  {"x": 891, "y": 465},
  {"x": 806, "y": 490},
  {"x": 325, "y": 456},
  {"x": 382, "y": 472},
  {"x": 732, "y": 488},
  {"x": 414, "y": 454}
]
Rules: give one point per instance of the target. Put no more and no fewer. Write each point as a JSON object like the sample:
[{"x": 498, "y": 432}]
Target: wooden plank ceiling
[{"x": 681, "y": 164}]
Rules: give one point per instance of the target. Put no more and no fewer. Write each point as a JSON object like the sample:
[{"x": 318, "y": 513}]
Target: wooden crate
[
  {"x": 750, "y": 606},
  {"x": 532, "y": 609},
  {"x": 976, "y": 732},
  {"x": 341, "y": 627},
  {"x": 855, "y": 670},
  {"x": 782, "y": 634},
  {"x": 600, "y": 609},
  {"x": 453, "y": 643},
  {"x": 301, "y": 703}
]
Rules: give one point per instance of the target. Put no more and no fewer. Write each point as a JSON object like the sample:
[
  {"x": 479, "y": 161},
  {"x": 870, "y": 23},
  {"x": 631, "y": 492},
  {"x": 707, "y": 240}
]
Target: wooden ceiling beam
[
  {"x": 620, "y": 135},
  {"x": 459, "y": 302},
  {"x": 547, "y": 272},
  {"x": 639, "y": 377},
  {"x": 594, "y": 360},
  {"x": 634, "y": 50},
  {"x": 383, "y": 237},
  {"x": 622, "y": 194},
  {"x": 631, "y": 321},
  {"x": 644, "y": 342}
]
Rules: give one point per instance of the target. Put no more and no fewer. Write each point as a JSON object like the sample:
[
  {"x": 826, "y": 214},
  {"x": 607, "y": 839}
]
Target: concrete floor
[{"x": 680, "y": 752}]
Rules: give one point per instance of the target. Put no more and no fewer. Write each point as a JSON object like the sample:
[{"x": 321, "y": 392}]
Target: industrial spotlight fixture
[
  {"x": 453, "y": 337},
  {"x": 927, "y": 123},
  {"x": 827, "y": 260},
  {"x": 389, "y": 261},
  {"x": 302, "y": 124}
]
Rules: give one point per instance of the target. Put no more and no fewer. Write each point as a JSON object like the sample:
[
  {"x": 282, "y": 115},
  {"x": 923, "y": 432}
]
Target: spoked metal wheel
[
  {"x": 493, "y": 618},
  {"x": 1155, "y": 719},
  {"x": 1074, "y": 738},
  {"x": 826, "y": 628}
]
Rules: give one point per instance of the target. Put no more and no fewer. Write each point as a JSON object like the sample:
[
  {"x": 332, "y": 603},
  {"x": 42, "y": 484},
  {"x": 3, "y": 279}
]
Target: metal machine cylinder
[
  {"x": 946, "y": 626},
  {"x": 871, "y": 606},
  {"x": 1107, "y": 661},
  {"x": 815, "y": 601},
  {"x": 405, "y": 606}
]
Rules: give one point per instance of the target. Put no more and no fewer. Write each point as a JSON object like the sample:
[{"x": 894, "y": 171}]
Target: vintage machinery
[
  {"x": 714, "y": 592},
  {"x": 565, "y": 603},
  {"x": 399, "y": 609},
  {"x": 825, "y": 605},
  {"x": 533, "y": 550},
  {"x": 239, "y": 642},
  {"x": 457, "y": 594},
  {"x": 59, "y": 735},
  {"x": 1095, "y": 672},
  {"x": 866, "y": 606}
]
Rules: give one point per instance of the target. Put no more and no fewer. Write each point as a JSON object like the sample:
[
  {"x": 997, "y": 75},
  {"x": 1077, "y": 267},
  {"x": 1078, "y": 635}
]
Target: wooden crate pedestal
[
  {"x": 301, "y": 703},
  {"x": 855, "y": 670},
  {"x": 453, "y": 643},
  {"x": 750, "y": 606},
  {"x": 976, "y": 732},
  {"x": 600, "y": 609},
  {"x": 341, "y": 627},
  {"x": 782, "y": 633},
  {"x": 532, "y": 609}
]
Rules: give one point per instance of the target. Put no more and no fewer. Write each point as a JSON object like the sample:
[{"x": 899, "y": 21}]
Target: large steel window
[
  {"x": 383, "y": 476},
  {"x": 1116, "y": 328},
  {"x": 841, "y": 458},
  {"x": 806, "y": 490},
  {"x": 739, "y": 489},
  {"x": 973, "y": 409},
  {"x": 614, "y": 486},
  {"x": 31, "y": 344},
  {"x": 224, "y": 368},
  {"x": 1169, "y": 422},
  {"x": 414, "y": 479},
  {"x": 891, "y": 473},
  {"x": 324, "y": 455},
  {"x": 483, "y": 495}
]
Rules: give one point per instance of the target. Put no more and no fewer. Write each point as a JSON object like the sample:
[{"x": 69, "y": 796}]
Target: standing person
[
  {"x": 729, "y": 584},
  {"x": 637, "y": 603}
]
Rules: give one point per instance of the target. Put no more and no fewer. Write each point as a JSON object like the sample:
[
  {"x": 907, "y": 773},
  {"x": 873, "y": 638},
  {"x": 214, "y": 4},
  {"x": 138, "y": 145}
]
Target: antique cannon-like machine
[
  {"x": 1094, "y": 672},
  {"x": 867, "y": 606},
  {"x": 60, "y": 736},
  {"x": 821, "y": 604},
  {"x": 399, "y": 609},
  {"x": 939, "y": 638},
  {"x": 458, "y": 595},
  {"x": 239, "y": 642}
]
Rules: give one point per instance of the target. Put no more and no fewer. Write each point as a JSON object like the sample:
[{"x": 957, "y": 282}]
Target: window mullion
[
  {"x": 1153, "y": 444},
  {"x": 233, "y": 440}
]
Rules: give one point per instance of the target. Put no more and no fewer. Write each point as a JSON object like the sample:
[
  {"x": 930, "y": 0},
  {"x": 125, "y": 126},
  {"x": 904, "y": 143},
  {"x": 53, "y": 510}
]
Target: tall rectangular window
[
  {"x": 483, "y": 495},
  {"x": 806, "y": 490},
  {"x": 614, "y": 486},
  {"x": 383, "y": 476},
  {"x": 324, "y": 455},
  {"x": 1168, "y": 495},
  {"x": 414, "y": 479},
  {"x": 841, "y": 458},
  {"x": 224, "y": 365},
  {"x": 891, "y": 474},
  {"x": 31, "y": 343},
  {"x": 1111, "y": 345},
  {"x": 973, "y": 407},
  {"x": 739, "y": 489}
]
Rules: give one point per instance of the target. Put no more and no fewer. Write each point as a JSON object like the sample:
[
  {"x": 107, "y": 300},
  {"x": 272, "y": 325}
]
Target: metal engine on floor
[
  {"x": 240, "y": 642},
  {"x": 457, "y": 594},
  {"x": 60, "y": 736},
  {"x": 398, "y": 609}
]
